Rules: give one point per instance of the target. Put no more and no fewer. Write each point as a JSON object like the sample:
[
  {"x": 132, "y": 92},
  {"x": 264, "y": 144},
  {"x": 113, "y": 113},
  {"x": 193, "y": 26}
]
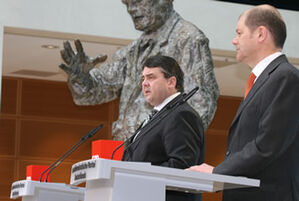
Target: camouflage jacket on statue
[{"x": 122, "y": 78}]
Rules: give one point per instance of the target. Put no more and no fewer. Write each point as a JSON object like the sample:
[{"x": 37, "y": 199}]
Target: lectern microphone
[{"x": 71, "y": 150}]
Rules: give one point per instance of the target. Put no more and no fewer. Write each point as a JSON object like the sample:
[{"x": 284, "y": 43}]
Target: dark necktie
[
  {"x": 249, "y": 83},
  {"x": 150, "y": 116}
]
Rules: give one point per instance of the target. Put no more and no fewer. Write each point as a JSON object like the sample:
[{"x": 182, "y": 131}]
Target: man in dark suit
[
  {"x": 263, "y": 141},
  {"x": 174, "y": 137}
]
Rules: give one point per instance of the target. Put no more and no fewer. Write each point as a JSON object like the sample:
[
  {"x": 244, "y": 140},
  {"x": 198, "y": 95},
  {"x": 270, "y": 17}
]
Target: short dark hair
[
  {"x": 271, "y": 20},
  {"x": 169, "y": 68}
]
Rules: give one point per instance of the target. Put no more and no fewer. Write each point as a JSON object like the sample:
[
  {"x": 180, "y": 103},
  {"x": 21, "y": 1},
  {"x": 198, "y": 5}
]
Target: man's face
[
  {"x": 245, "y": 42},
  {"x": 147, "y": 15},
  {"x": 156, "y": 88}
]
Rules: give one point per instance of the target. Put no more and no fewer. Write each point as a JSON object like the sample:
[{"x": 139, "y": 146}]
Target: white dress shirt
[{"x": 261, "y": 66}]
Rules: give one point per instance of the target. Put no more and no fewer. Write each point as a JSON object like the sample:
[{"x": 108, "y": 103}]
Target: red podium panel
[
  {"x": 33, "y": 172},
  {"x": 105, "y": 148}
]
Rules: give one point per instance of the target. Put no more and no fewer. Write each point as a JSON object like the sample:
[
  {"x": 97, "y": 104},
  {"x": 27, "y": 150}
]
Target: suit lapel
[
  {"x": 149, "y": 127},
  {"x": 258, "y": 84}
]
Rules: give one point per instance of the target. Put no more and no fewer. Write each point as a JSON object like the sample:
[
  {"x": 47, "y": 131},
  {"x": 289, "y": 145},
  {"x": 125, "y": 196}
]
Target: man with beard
[{"x": 164, "y": 33}]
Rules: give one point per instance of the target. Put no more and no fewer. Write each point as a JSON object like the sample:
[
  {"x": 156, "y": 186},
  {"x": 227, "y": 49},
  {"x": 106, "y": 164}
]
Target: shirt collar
[
  {"x": 261, "y": 66},
  {"x": 166, "y": 101}
]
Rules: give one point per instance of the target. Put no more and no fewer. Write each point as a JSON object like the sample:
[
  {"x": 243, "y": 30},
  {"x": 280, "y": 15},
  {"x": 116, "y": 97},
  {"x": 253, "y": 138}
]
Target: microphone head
[
  {"x": 95, "y": 130},
  {"x": 92, "y": 132}
]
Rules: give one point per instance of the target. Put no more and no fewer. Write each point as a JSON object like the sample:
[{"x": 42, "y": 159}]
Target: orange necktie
[{"x": 249, "y": 83}]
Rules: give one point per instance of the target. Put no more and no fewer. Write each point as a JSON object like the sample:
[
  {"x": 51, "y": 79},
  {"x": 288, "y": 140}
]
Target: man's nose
[
  {"x": 145, "y": 83},
  {"x": 235, "y": 41}
]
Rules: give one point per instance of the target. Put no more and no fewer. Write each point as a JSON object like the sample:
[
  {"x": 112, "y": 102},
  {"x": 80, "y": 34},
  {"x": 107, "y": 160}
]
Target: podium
[
  {"x": 108, "y": 180},
  {"x": 41, "y": 191}
]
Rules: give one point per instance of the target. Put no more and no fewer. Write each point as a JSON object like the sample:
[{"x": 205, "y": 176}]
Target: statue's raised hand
[{"x": 78, "y": 63}]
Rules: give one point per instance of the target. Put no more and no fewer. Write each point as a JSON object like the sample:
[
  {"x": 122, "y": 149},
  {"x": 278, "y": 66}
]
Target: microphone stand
[
  {"x": 71, "y": 150},
  {"x": 122, "y": 144}
]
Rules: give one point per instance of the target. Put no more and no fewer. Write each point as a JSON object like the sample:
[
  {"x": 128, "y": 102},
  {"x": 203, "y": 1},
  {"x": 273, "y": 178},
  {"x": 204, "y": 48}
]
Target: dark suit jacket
[
  {"x": 176, "y": 141},
  {"x": 263, "y": 138}
]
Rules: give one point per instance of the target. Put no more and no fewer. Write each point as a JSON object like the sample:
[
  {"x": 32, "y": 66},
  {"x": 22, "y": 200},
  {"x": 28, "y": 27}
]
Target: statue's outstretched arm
[
  {"x": 77, "y": 66},
  {"x": 78, "y": 63},
  {"x": 89, "y": 84}
]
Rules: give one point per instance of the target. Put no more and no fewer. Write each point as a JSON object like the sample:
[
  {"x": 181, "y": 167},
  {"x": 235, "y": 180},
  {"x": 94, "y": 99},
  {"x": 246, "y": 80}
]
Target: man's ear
[
  {"x": 172, "y": 82},
  {"x": 263, "y": 33}
]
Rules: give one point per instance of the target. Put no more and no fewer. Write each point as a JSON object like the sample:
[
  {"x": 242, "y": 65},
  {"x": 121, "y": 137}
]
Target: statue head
[{"x": 149, "y": 15}]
